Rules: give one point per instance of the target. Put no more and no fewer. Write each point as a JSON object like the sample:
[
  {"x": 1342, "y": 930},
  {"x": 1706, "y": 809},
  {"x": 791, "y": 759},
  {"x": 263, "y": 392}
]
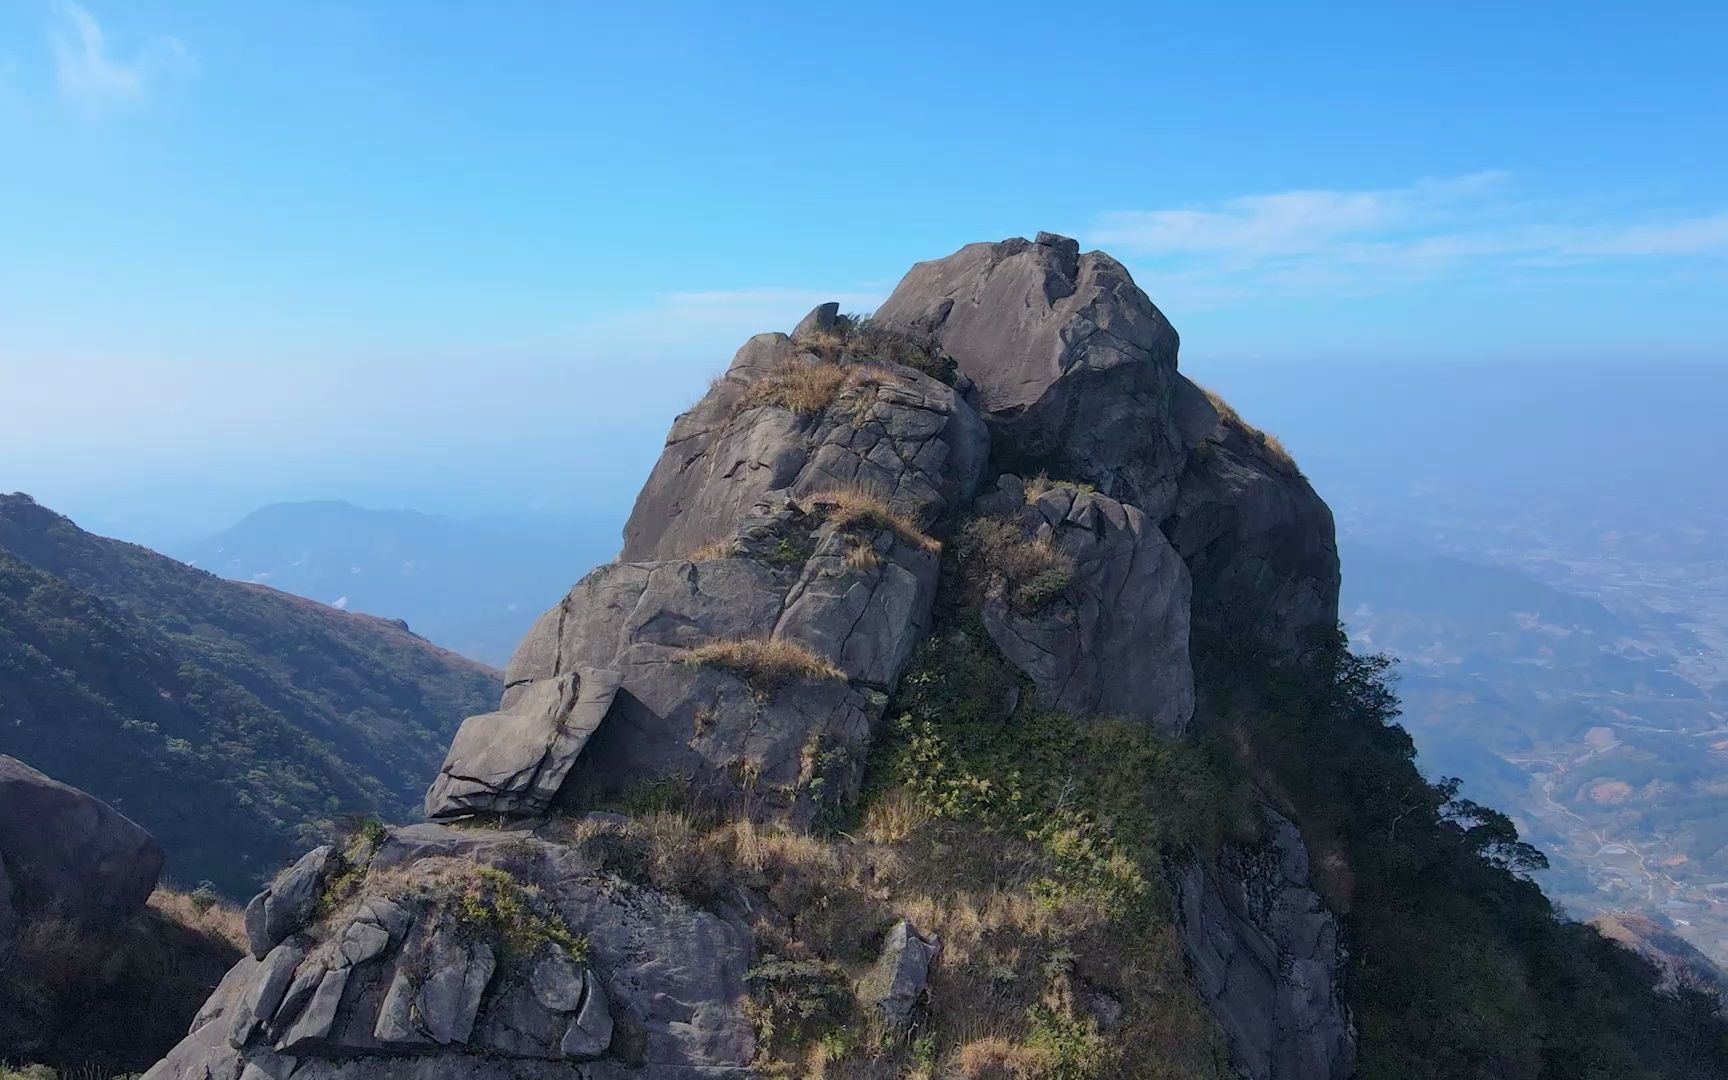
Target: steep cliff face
[{"x": 812, "y": 532}]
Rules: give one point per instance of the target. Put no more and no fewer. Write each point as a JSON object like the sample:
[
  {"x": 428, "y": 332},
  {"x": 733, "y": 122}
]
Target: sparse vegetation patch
[
  {"x": 1270, "y": 444},
  {"x": 1034, "y": 570},
  {"x": 854, "y": 510},
  {"x": 765, "y": 663},
  {"x": 809, "y": 387}
]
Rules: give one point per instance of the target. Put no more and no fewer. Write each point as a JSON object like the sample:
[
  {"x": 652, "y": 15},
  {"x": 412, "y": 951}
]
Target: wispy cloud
[
  {"x": 92, "y": 75},
  {"x": 1378, "y": 238}
]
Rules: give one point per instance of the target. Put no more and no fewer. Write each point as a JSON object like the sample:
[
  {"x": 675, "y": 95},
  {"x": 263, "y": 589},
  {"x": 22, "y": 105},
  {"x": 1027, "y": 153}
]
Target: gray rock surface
[
  {"x": 754, "y": 484},
  {"x": 822, "y": 317},
  {"x": 67, "y": 852},
  {"x": 516, "y": 760},
  {"x": 659, "y": 995},
  {"x": 910, "y": 439},
  {"x": 1073, "y": 366},
  {"x": 434, "y": 997},
  {"x": 1116, "y": 641},
  {"x": 895, "y": 986},
  {"x": 287, "y": 903},
  {"x": 1264, "y": 954},
  {"x": 1075, "y": 371}
]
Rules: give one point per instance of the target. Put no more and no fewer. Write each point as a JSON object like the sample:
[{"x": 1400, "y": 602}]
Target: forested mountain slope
[{"x": 233, "y": 721}]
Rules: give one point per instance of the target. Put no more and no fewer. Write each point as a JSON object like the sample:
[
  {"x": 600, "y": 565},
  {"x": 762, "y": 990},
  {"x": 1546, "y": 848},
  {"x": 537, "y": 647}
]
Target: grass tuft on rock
[
  {"x": 765, "y": 663},
  {"x": 808, "y": 387},
  {"x": 859, "y": 339},
  {"x": 1268, "y": 443},
  {"x": 856, "y": 510},
  {"x": 1033, "y": 570}
]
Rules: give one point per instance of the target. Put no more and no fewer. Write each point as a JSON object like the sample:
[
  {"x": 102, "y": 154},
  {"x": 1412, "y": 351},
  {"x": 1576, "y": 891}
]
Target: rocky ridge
[{"x": 782, "y": 565}]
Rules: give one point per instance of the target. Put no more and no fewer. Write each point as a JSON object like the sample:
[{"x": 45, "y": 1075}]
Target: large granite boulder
[
  {"x": 1112, "y": 641},
  {"x": 67, "y": 853},
  {"x": 1264, "y": 953},
  {"x": 1075, "y": 371},
  {"x": 1073, "y": 366},
  {"x": 478, "y": 953},
  {"x": 778, "y": 571}
]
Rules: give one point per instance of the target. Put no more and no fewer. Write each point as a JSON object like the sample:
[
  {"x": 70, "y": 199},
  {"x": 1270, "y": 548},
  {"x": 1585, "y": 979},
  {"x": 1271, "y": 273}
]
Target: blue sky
[{"x": 427, "y": 254}]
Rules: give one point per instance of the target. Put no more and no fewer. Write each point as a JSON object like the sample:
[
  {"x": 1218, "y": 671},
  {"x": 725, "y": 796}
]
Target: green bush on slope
[{"x": 1460, "y": 968}]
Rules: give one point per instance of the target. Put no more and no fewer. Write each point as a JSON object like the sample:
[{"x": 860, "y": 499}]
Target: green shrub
[
  {"x": 513, "y": 915},
  {"x": 1101, "y": 798}
]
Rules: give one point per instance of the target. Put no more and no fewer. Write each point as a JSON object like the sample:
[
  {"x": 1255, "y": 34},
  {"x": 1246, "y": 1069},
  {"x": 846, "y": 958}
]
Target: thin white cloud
[
  {"x": 93, "y": 76},
  {"x": 1374, "y": 238}
]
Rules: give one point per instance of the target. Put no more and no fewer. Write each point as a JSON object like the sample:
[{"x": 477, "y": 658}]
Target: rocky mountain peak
[{"x": 998, "y": 456}]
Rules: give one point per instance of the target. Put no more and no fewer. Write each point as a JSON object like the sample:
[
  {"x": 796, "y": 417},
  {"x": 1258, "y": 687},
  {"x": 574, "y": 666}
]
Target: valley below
[{"x": 1571, "y": 665}]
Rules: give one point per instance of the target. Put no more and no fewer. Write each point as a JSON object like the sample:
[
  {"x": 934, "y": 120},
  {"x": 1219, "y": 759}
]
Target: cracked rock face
[
  {"x": 515, "y": 761},
  {"x": 1264, "y": 953},
  {"x": 751, "y": 483},
  {"x": 373, "y": 988},
  {"x": 1115, "y": 642},
  {"x": 910, "y": 439}
]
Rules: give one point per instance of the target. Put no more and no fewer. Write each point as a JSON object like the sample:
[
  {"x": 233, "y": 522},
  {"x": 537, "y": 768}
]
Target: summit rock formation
[{"x": 810, "y": 523}]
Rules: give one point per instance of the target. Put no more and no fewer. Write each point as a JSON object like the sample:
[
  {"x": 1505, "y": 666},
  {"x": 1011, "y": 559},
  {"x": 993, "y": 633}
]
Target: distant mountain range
[
  {"x": 233, "y": 721},
  {"x": 474, "y": 585}
]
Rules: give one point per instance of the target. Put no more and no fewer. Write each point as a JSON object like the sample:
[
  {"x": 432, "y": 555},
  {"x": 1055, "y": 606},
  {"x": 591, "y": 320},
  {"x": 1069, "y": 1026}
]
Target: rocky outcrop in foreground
[
  {"x": 780, "y": 569},
  {"x": 478, "y": 954},
  {"x": 66, "y": 854}
]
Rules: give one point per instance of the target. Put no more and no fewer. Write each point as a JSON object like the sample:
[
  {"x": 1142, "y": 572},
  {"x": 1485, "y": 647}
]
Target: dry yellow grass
[
  {"x": 715, "y": 549},
  {"x": 1274, "y": 449},
  {"x": 855, "y": 510},
  {"x": 216, "y": 919},
  {"x": 1041, "y": 483},
  {"x": 996, "y": 1058},
  {"x": 1005, "y": 950},
  {"x": 764, "y": 662},
  {"x": 808, "y": 387}
]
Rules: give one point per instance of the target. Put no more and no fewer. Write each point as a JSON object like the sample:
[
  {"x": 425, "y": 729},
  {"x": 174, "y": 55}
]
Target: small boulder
[
  {"x": 896, "y": 984},
  {"x": 590, "y": 1033},
  {"x": 514, "y": 761},
  {"x": 288, "y": 903},
  {"x": 822, "y": 317}
]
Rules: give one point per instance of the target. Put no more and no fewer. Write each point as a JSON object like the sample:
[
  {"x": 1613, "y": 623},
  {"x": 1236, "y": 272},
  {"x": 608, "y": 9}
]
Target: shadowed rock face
[
  {"x": 67, "y": 853},
  {"x": 1258, "y": 540},
  {"x": 1264, "y": 952}
]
